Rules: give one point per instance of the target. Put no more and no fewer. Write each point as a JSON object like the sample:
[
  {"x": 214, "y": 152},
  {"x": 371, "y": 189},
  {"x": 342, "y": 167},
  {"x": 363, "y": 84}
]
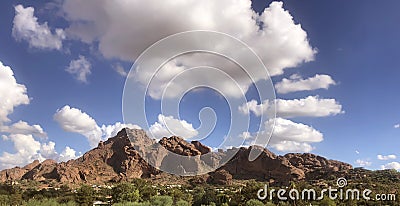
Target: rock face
[
  {"x": 220, "y": 177},
  {"x": 266, "y": 166},
  {"x": 113, "y": 160},
  {"x": 282, "y": 169},
  {"x": 17, "y": 173},
  {"x": 316, "y": 167},
  {"x": 178, "y": 145},
  {"x": 120, "y": 158}
]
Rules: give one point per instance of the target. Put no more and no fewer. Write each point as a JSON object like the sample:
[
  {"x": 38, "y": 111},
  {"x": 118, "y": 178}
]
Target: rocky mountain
[{"x": 120, "y": 158}]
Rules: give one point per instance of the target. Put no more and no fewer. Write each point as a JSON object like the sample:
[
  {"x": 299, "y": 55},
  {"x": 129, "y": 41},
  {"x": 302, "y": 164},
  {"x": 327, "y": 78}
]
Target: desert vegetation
[{"x": 140, "y": 192}]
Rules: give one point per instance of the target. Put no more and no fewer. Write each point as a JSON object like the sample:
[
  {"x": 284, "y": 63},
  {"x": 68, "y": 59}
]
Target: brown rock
[
  {"x": 179, "y": 146},
  {"x": 120, "y": 159},
  {"x": 201, "y": 147},
  {"x": 220, "y": 177}
]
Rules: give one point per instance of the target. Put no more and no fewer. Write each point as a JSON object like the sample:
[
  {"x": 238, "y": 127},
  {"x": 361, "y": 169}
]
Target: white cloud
[
  {"x": 289, "y": 136},
  {"x": 22, "y": 127},
  {"x": 245, "y": 135},
  {"x": 286, "y": 130},
  {"x": 48, "y": 150},
  {"x": 26, "y": 27},
  {"x": 311, "y": 106},
  {"x": 26, "y": 148},
  {"x": 67, "y": 154},
  {"x": 257, "y": 109},
  {"x": 167, "y": 126},
  {"x": 21, "y": 134},
  {"x": 80, "y": 68},
  {"x": 75, "y": 120},
  {"x": 391, "y": 165},
  {"x": 295, "y": 83},
  {"x": 397, "y": 126},
  {"x": 12, "y": 94},
  {"x": 292, "y": 146},
  {"x": 112, "y": 130},
  {"x": 280, "y": 42},
  {"x": 363, "y": 163},
  {"x": 386, "y": 157},
  {"x": 120, "y": 70}
]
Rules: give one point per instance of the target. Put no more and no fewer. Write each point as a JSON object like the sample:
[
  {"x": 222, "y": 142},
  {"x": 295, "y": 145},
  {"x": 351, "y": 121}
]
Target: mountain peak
[{"x": 118, "y": 159}]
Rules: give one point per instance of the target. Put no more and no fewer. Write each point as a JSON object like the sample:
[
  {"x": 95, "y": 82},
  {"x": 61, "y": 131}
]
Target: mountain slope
[{"x": 118, "y": 159}]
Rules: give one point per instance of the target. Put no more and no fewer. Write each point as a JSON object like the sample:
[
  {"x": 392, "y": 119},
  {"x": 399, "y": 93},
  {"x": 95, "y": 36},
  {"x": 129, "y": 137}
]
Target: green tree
[
  {"x": 16, "y": 196},
  {"x": 132, "y": 204},
  {"x": 199, "y": 193},
  {"x": 65, "y": 195},
  {"x": 146, "y": 190},
  {"x": 204, "y": 196},
  {"x": 223, "y": 198},
  {"x": 4, "y": 200},
  {"x": 327, "y": 202},
  {"x": 161, "y": 200},
  {"x": 85, "y": 195},
  {"x": 177, "y": 194},
  {"x": 125, "y": 192},
  {"x": 182, "y": 203},
  {"x": 254, "y": 202},
  {"x": 249, "y": 191}
]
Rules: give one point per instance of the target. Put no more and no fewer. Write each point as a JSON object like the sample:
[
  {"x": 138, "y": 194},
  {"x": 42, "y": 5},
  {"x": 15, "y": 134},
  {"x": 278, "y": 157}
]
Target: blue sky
[{"x": 75, "y": 78}]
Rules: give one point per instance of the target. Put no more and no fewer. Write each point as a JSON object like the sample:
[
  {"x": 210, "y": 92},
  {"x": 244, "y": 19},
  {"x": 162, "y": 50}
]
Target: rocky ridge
[{"x": 119, "y": 159}]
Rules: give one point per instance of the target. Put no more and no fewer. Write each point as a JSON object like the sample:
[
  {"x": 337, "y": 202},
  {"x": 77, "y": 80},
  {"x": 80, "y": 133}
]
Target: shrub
[{"x": 161, "y": 201}]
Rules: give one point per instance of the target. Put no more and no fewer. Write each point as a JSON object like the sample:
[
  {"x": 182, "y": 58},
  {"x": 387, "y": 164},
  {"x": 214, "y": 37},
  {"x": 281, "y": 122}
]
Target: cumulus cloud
[
  {"x": 386, "y": 157},
  {"x": 22, "y": 127},
  {"x": 296, "y": 83},
  {"x": 286, "y": 130},
  {"x": 80, "y": 68},
  {"x": 26, "y": 27},
  {"x": 167, "y": 126},
  {"x": 391, "y": 165},
  {"x": 363, "y": 163},
  {"x": 112, "y": 130},
  {"x": 292, "y": 146},
  {"x": 21, "y": 134},
  {"x": 75, "y": 120},
  {"x": 67, "y": 154},
  {"x": 311, "y": 106},
  {"x": 27, "y": 151},
  {"x": 273, "y": 34},
  {"x": 48, "y": 151},
  {"x": 397, "y": 126},
  {"x": 12, "y": 94},
  {"x": 289, "y": 136}
]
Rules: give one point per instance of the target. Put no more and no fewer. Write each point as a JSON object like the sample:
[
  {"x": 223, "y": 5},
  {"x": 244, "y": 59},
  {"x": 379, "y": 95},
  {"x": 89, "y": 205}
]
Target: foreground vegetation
[{"x": 142, "y": 193}]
